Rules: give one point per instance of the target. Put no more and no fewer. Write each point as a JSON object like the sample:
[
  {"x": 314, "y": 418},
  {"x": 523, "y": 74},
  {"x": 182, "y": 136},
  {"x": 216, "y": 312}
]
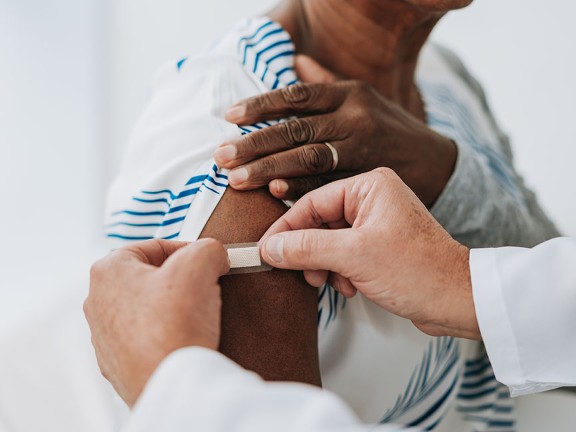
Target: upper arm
[
  {"x": 269, "y": 320},
  {"x": 168, "y": 188}
]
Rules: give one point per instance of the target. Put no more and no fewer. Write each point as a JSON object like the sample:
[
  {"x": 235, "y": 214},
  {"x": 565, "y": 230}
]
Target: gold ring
[{"x": 335, "y": 158}]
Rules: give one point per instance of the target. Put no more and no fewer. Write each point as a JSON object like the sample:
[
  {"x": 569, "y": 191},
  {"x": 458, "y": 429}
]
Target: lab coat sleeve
[
  {"x": 195, "y": 389},
  {"x": 526, "y": 306}
]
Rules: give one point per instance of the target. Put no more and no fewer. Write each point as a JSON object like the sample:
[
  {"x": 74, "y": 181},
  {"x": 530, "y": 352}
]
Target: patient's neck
[{"x": 374, "y": 41}]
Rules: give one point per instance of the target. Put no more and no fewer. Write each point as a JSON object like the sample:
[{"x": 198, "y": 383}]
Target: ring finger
[
  {"x": 278, "y": 138},
  {"x": 308, "y": 160}
]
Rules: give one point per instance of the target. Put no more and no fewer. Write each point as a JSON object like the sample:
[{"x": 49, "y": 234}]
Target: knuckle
[
  {"x": 308, "y": 244},
  {"x": 299, "y": 132},
  {"x": 361, "y": 87},
  {"x": 86, "y": 308},
  {"x": 96, "y": 270},
  {"x": 104, "y": 374},
  {"x": 357, "y": 115},
  {"x": 250, "y": 144},
  {"x": 384, "y": 175},
  {"x": 314, "y": 159},
  {"x": 298, "y": 94},
  {"x": 268, "y": 168},
  {"x": 258, "y": 104}
]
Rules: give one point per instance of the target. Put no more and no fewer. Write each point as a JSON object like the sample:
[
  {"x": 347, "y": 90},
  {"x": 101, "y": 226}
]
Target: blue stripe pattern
[
  {"x": 436, "y": 379},
  {"x": 448, "y": 115},
  {"x": 483, "y": 401},
  {"x": 268, "y": 53},
  {"x": 161, "y": 213}
]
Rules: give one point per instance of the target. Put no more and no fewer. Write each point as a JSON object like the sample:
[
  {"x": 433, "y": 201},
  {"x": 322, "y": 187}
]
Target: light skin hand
[
  {"x": 375, "y": 236},
  {"x": 149, "y": 300}
]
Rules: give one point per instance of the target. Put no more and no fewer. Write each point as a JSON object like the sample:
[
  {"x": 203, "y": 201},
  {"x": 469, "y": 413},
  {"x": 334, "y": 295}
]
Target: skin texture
[
  {"x": 379, "y": 122},
  {"x": 149, "y": 300},
  {"x": 269, "y": 320},
  {"x": 391, "y": 250}
]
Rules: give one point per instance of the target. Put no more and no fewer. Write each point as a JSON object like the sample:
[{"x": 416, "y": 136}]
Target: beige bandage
[{"x": 245, "y": 258}]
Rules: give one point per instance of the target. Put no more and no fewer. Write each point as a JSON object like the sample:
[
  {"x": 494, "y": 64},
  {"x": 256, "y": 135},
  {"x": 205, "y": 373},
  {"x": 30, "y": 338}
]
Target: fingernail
[
  {"x": 275, "y": 249},
  {"x": 238, "y": 176},
  {"x": 225, "y": 154},
  {"x": 235, "y": 113},
  {"x": 281, "y": 187}
]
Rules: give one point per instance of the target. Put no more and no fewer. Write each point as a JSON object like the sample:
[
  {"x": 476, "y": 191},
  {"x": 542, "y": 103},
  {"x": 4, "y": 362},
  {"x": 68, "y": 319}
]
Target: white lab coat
[{"x": 526, "y": 306}]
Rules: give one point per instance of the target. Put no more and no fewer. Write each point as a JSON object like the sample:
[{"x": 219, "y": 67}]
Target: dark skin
[
  {"x": 269, "y": 319},
  {"x": 368, "y": 106}
]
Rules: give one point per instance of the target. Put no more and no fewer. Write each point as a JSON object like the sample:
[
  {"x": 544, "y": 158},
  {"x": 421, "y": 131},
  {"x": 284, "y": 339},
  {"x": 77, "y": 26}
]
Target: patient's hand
[
  {"x": 149, "y": 300},
  {"x": 367, "y": 130}
]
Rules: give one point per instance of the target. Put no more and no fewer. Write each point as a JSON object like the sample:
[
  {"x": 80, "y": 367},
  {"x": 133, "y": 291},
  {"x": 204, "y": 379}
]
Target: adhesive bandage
[{"x": 245, "y": 258}]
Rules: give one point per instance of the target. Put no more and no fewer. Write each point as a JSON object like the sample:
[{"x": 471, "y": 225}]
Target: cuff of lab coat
[{"x": 494, "y": 320}]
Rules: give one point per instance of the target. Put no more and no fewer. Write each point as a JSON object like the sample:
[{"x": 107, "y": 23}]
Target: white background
[{"x": 74, "y": 74}]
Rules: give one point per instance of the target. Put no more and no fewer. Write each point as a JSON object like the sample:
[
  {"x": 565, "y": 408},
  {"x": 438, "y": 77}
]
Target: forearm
[{"x": 486, "y": 205}]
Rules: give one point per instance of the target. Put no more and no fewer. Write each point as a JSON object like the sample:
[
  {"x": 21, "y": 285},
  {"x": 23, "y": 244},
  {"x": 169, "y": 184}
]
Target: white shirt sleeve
[
  {"x": 169, "y": 185},
  {"x": 526, "y": 306},
  {"x": 196, "y": 389}
]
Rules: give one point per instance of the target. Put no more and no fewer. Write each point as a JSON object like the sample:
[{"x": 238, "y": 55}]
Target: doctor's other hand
[
  {"x": 149, "y": 300},
  {"x": 375, "y": 236},
  {"x": 365, "y": 129}
]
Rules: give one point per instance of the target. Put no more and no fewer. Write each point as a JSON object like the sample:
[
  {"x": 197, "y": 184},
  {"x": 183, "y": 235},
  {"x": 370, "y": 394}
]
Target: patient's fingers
[
  {"x": 298, "y": 99},
  {"x": 279, "y": 138},
  {"x": 312, "y": 159}
]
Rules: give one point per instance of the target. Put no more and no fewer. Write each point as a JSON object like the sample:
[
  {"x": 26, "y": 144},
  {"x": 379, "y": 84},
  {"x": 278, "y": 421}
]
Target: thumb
[
  {"x": 313, "y": 249},
  {"x": 310, "y": 71},
  {"x": 204, "y": 259}
]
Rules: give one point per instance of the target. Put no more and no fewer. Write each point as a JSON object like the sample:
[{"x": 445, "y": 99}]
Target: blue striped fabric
[
  {"x": 161, "y": 213},
  {"x": 431, "y": 389},
  {"x": 483, "y": 401},
  {"x": 448, "y": 115}
]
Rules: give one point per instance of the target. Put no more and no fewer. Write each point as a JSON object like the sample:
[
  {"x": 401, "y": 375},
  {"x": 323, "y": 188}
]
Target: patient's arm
[{"x": 269, "y": 320}]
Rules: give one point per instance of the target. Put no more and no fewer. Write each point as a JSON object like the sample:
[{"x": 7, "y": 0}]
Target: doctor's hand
[
  {"x": 365, "y": 129},
  {"x": 374, "y": 236},
  {"x": 149, "y": 300}
]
